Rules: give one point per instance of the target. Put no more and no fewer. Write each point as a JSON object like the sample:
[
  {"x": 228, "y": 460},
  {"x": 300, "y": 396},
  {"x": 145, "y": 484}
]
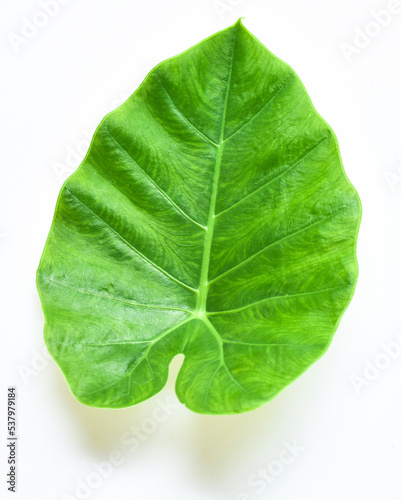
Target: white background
[{"x": 55, "y": 88}]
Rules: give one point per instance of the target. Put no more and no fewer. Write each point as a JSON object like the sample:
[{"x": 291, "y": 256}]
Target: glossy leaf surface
[{"x": 211, "y": 217}]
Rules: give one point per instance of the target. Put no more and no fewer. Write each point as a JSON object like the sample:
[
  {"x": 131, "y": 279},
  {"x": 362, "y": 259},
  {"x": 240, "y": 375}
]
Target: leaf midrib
[{"x": 204, "y": 285}]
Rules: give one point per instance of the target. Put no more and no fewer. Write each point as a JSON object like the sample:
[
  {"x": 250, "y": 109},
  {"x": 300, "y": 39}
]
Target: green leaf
[{"x": 211, "y": 217}]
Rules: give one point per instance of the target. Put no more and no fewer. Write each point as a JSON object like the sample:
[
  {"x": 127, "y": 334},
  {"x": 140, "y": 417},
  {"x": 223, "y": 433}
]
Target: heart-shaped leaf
[{"x": 211, "y": 217}]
